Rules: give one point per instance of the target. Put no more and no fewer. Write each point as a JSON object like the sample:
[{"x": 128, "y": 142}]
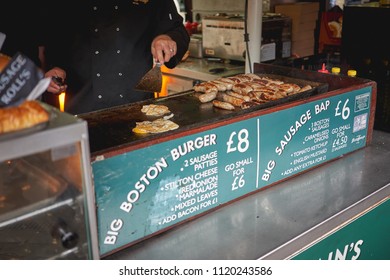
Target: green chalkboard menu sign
[{"x": 147, "y": 190}]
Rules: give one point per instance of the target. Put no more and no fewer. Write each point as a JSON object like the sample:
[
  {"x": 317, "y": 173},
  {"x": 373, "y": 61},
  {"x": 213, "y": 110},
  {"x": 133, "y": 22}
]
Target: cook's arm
[{"x": 171, "y": 24}]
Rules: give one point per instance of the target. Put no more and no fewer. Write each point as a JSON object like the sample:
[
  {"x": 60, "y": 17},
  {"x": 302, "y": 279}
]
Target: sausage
[
  {"x": 270, "y": 96},
  {"x": 205, "y": 87},
  {"x": 256, "y": 96},
  {"x": 233, "y": 79},
  {"x": 274, "y": 81},
  {"x": 261, "y": 81},
  {"x": 235, "y": 94},
  {"x": 242, "y": 88},
  {"x": 289, "y": 88},
  {"x": 211, "y": 89},
  {"x": 249, "y": 104},
  {"x": 207, "y": 97},
  {"x": 223, "y": 105},
  {"x": 227, "y": 82},
  {"x": 255, "y": 85},
  {"x": 251, "y": 76},
  {"x": 266, "y": 94},
  {"x": 282, "y": 93},
  {"x": 220, "y": 86},
  {"x": 232, "y": 99},
  {"x": 305, "y": 88},
  {"x": 200, "y": 87},
  {"x": 243, "y": 77}
]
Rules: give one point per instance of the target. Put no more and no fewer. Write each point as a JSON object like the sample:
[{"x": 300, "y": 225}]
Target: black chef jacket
[{"x": 105, "y": 48}]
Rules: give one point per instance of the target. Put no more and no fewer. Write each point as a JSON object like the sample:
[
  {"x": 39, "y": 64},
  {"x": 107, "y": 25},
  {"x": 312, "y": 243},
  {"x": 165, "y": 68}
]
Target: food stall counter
[
  {"x": 313, "y": 216},
  {"x": 146, "y": 184}
]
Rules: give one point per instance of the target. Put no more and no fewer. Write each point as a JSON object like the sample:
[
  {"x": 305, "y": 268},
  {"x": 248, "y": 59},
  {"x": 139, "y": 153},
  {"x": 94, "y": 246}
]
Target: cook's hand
[
  {"x": 58, "y": 77},
  {"x": 163, "y": 48}
]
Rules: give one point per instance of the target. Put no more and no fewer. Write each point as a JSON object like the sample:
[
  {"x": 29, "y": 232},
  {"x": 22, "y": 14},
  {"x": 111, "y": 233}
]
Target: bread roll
[{"x": 26, "y": 115}]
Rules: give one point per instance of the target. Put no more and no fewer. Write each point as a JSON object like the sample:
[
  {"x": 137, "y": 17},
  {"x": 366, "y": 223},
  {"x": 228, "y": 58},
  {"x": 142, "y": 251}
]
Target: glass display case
[{"x": 47, "y": 208}]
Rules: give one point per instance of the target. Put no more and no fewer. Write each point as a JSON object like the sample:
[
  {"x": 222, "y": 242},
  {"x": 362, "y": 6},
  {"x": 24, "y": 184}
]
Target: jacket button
[{"x": 100, "y": 96}]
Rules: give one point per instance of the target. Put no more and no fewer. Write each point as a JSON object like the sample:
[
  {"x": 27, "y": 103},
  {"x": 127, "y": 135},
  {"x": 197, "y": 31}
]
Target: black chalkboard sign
[{"x": 18, "y": 79}]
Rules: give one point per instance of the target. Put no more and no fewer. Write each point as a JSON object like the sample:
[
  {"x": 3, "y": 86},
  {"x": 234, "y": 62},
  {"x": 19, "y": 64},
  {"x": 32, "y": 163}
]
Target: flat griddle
[{"x": 112, "y": 128}]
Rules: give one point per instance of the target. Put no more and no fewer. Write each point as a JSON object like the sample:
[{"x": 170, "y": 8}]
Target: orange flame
[{"x": 61, "y": 100}]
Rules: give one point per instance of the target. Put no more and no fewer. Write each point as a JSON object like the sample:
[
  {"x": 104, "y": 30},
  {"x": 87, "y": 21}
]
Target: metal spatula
[{"x": 152, "y": 80}]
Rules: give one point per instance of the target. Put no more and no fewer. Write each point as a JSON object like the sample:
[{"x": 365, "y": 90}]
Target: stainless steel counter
[
  {"x": 202, "y": 69},
  {"x": 276, "y": 222}
]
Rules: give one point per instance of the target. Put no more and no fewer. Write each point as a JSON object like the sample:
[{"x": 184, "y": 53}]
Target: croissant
[{"x": 26, "y": 115}]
